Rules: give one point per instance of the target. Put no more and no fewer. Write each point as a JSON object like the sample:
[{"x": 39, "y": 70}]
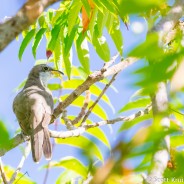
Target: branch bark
[
  {"x": 26, "y": 16},
  {"x": 93, "y": 78},
  {"x": 18, "y": 139}
]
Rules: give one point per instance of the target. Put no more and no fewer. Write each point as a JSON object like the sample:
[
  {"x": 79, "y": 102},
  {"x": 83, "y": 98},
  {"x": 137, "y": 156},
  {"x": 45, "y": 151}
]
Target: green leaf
[
  {"x": 4, "y": 135},
  {"x": 101, "y": 46},
  {"x": 20, "y": 86},
  {"x": 146, "y": 48},
  {"x": 25, "y": 42},
  {"x": 143, "y": 102},
  {"x": 128, "y": 124},
  {"x": 101, "y": 21},
  {"x": 99, "y": 134},
  {"x": 68, "y": 41},
  {"x": 38, "y": 37},
  {"x": 137, "y": 6},
  {"x": 82, "y": 143},
  {"x": 67, "y": 177},
  {"x": 177, "y": 140},
  {"x": 98, "y": 110},
  {"x": 54, "y": 86},
  {"x": 93, "y": 22},
  {"x": 73, "y": 164},
  {"x": 73, "y": 14},
  {"x": 116, "y": 35},
  {"x": 83, "y": 53},
  {"x": 108, "y": 5},
  {"x": 67, "y": 59},
  {"x": 95, "y": 90},
  {"x": 72, "y": 84},
  {"x": 42, "y": 22},
  {"x": 54, "y": 36}
]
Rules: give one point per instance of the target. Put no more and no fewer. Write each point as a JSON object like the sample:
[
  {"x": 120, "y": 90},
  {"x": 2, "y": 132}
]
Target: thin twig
[
  {"x": 83, "y": 109},
  {"x": 99, "y": 97},
  {"x": 80, "y": 130},
  {"x": 26, "y": 153},
  {"x": 108, "y": 64},
  {"x": 3, "y": 175},
  {"x": 67, "y": 121}
]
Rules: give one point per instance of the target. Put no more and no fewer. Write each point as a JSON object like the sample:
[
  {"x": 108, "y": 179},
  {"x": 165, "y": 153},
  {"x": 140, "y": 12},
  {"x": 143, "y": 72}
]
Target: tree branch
[
  {"x": 80, "y": 130},
  {"x": 83, "y": 109},
  {"x": 99, "y": 97},
  {"x": 26, "y": 16},
  {"x": 93, "y": 78}
]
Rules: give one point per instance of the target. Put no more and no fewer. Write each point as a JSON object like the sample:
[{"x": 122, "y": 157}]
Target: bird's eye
[{"x": 46, "y": 68}]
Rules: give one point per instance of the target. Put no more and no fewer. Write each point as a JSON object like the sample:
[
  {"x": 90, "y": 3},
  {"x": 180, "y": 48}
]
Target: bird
[{"x": 33, "y": 107}]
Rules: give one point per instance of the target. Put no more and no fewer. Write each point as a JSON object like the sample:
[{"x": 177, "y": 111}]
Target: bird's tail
[
  {"x": 36, "y": 145},
  {"x": 47, "y": 147},
  {"x": 41, "y": 141}
]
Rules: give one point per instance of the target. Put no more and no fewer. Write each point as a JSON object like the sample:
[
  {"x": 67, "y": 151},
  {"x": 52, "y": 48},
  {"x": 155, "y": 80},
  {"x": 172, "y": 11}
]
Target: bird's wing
[{"x": 39, "y": 120}]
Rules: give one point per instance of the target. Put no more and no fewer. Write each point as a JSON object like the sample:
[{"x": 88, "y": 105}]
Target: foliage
[{"x": 81, "y": 24}]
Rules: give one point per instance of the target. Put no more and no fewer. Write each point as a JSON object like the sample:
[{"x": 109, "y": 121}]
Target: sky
[{"x": 13, "y": 72}]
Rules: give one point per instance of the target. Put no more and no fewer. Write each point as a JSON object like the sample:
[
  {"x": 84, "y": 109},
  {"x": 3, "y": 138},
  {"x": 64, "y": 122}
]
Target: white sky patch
[{"x": 137, "y": 27}]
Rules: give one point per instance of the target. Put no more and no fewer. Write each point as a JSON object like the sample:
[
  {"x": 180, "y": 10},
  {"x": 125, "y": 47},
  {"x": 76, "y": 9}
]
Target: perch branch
[
  {"x": 79, "y": 131},
  {"x": 93, "y": 78}
]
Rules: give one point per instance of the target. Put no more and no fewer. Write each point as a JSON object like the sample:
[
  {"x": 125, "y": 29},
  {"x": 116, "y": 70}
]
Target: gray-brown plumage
[{"x": 33, "y": 107}]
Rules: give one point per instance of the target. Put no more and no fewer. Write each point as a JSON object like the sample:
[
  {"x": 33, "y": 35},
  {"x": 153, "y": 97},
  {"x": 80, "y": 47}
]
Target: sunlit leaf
[
  {"x": 38, "y": 37},
  {"x": 101, "y": 21},
  {"x": 67, "y": 176},
  {"x": 4, "y": 135},
  {"x": 54, "y": 36},
  {"x": 54, "y": 86},
  {"x": 93, "y": 22},
  {"x": 82, "y": 143},
  {"x": 73, "y": 14},
  {"x": 99, "y": 134},
  {"x": 128, "y": 124},
  {"x": 101, "y": 46},
  {"x": 83, "y": 53},
  {"x": 142, "y": 102},
  {"x": 25, "y": 42},
  {"x": 116, "y": 35},
  {"x": 71, "y": 163},
  {"x": 98, "y": 110},
  {"x": 137, "y": 6}
]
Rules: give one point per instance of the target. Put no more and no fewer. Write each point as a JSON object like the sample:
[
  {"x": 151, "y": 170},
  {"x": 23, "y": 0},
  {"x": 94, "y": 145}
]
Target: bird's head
[{"x": 44, "y": 73}]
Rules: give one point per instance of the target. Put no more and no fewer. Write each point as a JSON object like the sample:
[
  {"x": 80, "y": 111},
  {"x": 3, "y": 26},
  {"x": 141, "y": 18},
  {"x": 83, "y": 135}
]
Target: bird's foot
[{"x": 24, "y": 137}]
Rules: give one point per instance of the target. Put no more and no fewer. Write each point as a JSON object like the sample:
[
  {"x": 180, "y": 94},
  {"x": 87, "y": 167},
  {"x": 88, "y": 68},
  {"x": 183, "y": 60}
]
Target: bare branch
[
  {"x": 83, "y": 109},
  {"x": 93, "y": 78},
  {"x": 99, "y": 97},
  {"x": 3, "y": 175},
  {"x": 26, "y": 16},
  {"x": 80, "y": 130}
]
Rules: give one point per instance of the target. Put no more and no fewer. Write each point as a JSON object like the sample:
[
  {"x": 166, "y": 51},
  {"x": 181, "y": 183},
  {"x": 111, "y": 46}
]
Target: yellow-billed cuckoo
[{"x": 33, "y": 107}]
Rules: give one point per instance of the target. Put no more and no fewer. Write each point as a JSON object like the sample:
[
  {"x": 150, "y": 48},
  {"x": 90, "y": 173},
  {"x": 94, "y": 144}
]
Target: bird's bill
[{"x": 57, "y": 73}]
